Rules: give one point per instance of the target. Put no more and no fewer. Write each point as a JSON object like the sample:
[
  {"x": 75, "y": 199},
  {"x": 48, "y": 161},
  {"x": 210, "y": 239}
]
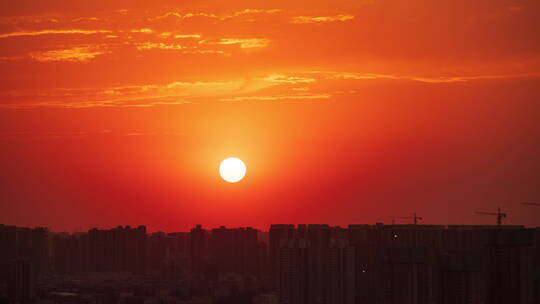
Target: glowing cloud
[
  {"x": 75, "y": 54},
  {"x": 202, "y": 52},
  {"x": 182, "y": 36},
  {"x": 161, "y": 45},
  {"x": 320, "y": 19},
  {"x": 279, "y": 78},
  {"x": 278, "y": 97},
  {"x": 181, "y": 16},
  {"x": 177, "y": 92},
  {"x": 51, "y": 32},
  {"x": 244, "y": 12},
  {"x": 243, "y": 43},
  {"x": 438, "y": 79},
  {"x": 143, "y": 30}
]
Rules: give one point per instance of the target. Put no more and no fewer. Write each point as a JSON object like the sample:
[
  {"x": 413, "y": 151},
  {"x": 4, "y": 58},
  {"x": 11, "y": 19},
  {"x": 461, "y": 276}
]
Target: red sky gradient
[{"x": 344, "y": 111}]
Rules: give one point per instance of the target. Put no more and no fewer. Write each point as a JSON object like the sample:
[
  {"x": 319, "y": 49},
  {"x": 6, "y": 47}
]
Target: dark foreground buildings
[{"x": 304, "y": 264}]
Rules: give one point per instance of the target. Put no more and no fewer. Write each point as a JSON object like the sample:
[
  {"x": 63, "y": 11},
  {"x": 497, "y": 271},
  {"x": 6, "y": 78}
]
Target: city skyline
[
  {"x": 341, "y": 111},
  {"x": 390, "y": 222},
  {"x": 302, "y": 264},
  {"x": 270, "y": 152}
]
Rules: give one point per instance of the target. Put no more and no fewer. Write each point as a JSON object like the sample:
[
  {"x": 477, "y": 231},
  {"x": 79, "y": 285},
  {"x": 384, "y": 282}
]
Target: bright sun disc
[{"x": 232, "y": 169}]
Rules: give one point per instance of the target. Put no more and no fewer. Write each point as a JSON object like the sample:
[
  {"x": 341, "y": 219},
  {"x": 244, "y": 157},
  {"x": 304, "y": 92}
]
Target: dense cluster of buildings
[
  {"x": 405, "y": 264},
  {"x": 122, "y": 249},
  {"x": 303, "y": 264}
]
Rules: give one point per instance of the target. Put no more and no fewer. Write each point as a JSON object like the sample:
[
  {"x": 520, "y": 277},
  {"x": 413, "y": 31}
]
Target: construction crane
[
  {"x": 531, "y": 204},
  {"x": 498, "y": 214},
  {"x": 414, "y": 218}
]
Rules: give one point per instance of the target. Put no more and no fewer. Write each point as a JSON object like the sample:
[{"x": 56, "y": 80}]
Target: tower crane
[
  {"x": 415, "y": 218},
  {"x": 498, "y": 214}
]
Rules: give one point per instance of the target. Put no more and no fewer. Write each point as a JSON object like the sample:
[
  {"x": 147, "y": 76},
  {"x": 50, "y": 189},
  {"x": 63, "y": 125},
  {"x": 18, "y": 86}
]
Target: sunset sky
[{"x": 344, "y": 111}]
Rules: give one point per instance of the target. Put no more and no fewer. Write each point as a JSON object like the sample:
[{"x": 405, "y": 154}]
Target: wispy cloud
[
  {"x": 247, "y": 11},
  {"x": 434, "y": 79},
  {"x": 75, "y": 54},
  {"x": 11, "y": 58},
  {"x": 160, "y": 45},
  {"x": 53, "y": 32},
  {"x": 182, "y": 49},
  {"x": 203, "y": 52},
  {"x": 256, "y": 11},
  {"x": 250, "y": 11},
  {"x": 302, "y": 85},
  {"x": 147, "y": 95},
  {"x": 181, "y": 16},
  {"x": 281, "y": 78},
  {"x": 183, "y": 36},
  {"x": 249, "y": 43},
  {"x": 20, "y": 20},
  {"x": 87, "y": 19},
  {"x": 143, "y": 31},
  {"x": 320, "y": 19},
  {"x": 277, "y": 97}
]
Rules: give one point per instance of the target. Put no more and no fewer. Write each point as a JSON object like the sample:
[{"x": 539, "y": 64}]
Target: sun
[{"x": 232, "y": 169}]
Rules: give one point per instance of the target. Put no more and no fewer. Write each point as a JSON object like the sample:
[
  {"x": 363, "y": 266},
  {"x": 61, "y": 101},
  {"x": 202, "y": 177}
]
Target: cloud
[
  {"x": 187, "y": 50},
  {"x": 244, "y": 12},
  {"x": 249, "y": 11},
  {"x": 11, "y": 58},
  {"x": 302, "y": 85},
  {"x": 86, "y": 19},
  {"x": 434, "y": 79},
  {"x": 256, "y": 11},
  {"x": 75, "y": 54},
  {"x": 278, "y": 97},
  {"x": 52, "y": 32},
  {"x": 21, "y": 20},
  {"x": 184, "y": 36},
  {"x": 249, "y": 43},
  {"x": 466, "y": 78},
  {"x": 320, "y": 19},
  {"x": 273, "y": 87},
  {"x": 280, "y": 78},
  {"x": 355, "y": 76},
  {"x": 147, "y": 95},
  {"x": 142, "y": 30},
  {"x": 203, "y": 52},
  {"x": 161, "y": 45},
  {"x": 181, "y": 16}
]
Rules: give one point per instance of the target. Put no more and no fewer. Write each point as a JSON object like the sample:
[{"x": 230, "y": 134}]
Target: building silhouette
[
  {"x": 20, "y": 280},
  {"x": 29, "y": 243},
  {"x": 277, "y": 233},
  {"x": 67, "y": 254},
  {"x": 341, "y": 283},
  {"x": 460, "y": 279},
  {"x": 293, "y": 272},
  {"x": 318, "y": 237},
  {"x": 198, "y": 249},
  {"x": 117, "y": 249},
  {"x": 305, "y": 264},
  {"x": 406, "y": 276},
  {"x": 508, "y": 265}
]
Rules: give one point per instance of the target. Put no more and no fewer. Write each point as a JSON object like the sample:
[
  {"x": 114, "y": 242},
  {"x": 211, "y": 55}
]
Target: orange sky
[{"x": 345, "y": 111}]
